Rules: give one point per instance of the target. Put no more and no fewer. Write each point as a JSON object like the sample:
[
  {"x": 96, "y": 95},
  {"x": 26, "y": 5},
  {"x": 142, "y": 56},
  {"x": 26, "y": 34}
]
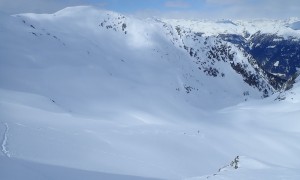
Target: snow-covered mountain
[
  {"x": 273, "y": 44},
  {"x": 89, "y": 94}
]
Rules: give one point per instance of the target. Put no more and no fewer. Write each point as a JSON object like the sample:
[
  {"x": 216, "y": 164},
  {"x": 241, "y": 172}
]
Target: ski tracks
[{"x": 5, "y": 150}]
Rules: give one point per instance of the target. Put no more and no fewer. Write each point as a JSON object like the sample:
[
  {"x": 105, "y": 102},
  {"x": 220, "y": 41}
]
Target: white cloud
[
  {"x": 40, "y": 6},
  {"x": 249, "y": 9},
  {"x": 20, "y": 6},
  {"x": 177, "y": 4},
  {"x": 200, "y": 9},
  {"x": 222, "y": 2},
  {"x": 230, "y": 9}
]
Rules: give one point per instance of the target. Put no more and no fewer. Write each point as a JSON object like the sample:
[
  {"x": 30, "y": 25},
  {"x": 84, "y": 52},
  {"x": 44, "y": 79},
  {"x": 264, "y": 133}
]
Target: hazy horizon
[{"x": 191, "y": 9}]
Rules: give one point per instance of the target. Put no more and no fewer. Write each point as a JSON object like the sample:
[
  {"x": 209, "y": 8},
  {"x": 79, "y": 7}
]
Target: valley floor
[{"x": 40, "y": 140}]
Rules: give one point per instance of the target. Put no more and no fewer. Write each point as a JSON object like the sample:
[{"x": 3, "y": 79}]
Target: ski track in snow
[{"x": 4, "y": 142}]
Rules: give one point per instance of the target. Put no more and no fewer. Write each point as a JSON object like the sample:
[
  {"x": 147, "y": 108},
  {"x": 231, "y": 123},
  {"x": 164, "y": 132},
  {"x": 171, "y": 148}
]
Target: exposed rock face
[
  {"x": 277, "y": 57},
  {"x": 275, "y": 54}
]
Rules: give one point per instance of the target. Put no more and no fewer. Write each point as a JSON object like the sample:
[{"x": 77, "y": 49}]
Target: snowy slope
[
  {"x": 92, "y": 94},
  {"x": 12, "y": 169},
  {"x": 246, "y": 168},
  {"x": 143, "y": 54}
]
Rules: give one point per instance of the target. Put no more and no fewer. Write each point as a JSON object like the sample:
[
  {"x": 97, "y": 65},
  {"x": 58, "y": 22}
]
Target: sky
[{"x": 206, "y": 9}]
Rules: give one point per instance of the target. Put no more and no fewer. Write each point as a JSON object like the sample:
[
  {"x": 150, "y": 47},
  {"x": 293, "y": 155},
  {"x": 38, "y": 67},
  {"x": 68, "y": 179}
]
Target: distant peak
[{"x": 226, "y": 21}]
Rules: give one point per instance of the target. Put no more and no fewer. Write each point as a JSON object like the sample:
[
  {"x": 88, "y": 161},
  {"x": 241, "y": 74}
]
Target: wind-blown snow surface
[{"x": 110, "y": 101}]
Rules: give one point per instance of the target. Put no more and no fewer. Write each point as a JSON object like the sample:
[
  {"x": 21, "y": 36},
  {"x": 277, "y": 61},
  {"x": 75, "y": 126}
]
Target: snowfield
[{"x": 92, "y": 94}]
